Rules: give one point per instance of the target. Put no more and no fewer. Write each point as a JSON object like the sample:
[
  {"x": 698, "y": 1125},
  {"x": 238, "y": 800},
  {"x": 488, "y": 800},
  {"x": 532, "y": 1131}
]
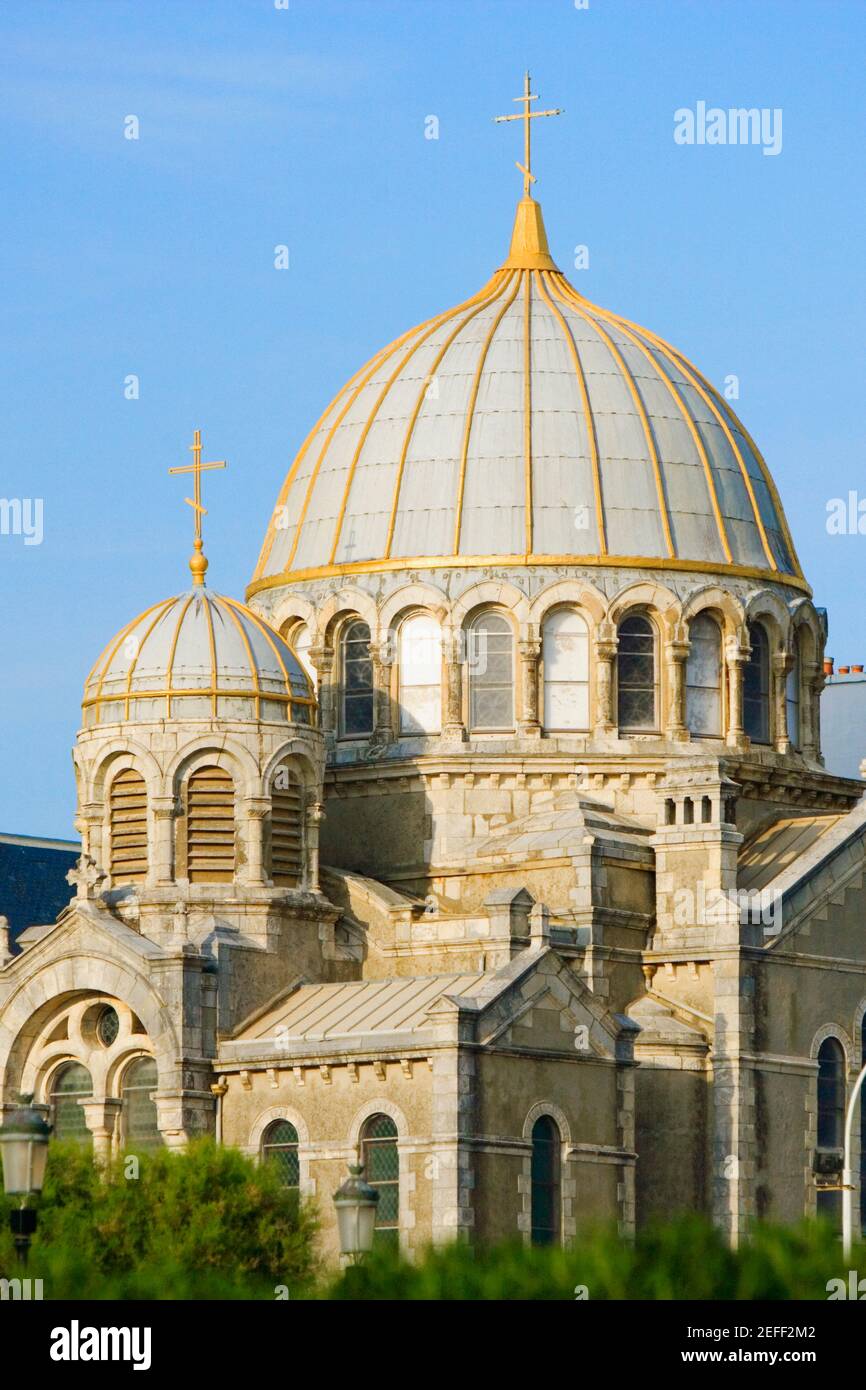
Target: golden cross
[
  {"x": 526, "y": 115},
  {"x": 198, "y": 563}
]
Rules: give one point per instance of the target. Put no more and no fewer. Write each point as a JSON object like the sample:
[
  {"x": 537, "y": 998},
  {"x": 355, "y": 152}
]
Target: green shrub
[
  {"x": 206, "y": 1223},
  {"x": 682, "y": 1259}
]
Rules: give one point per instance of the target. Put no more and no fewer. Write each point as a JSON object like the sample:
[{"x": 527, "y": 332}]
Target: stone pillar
[
  {"x": 160, "y": 868},
  {"x": 734, "y": 1137},
  {"x": 315, "y": 814},
  {"x": 382, "y": 657},
  {"x": 529, "y": 725},
  {"x": 813, "y": 682},
  {"x": 782, "y": 664},
  {"x": 452, "y": 725},
  {"x": 254, "y": 811},
  {"x": 88, "y": 823},
  {"x": 5, "y": 944},
  {"x": 820, "y": 682},
  {"x": 677, "y": 654},
  {"x": 322, "y": 658},
  {"x": 605, "y": 654},
  {"x": 808, "y": 673},
  {"x": 736, "y": 657},
  {"x": 101, "y": 1117}
]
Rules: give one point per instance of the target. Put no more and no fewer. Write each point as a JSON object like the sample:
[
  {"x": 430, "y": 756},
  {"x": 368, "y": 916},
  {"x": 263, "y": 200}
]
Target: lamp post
[
  {"x": 847, "y": 1183},
  {"x": 24, "y": 1144},
  {"x": 356, "y": 1202}
]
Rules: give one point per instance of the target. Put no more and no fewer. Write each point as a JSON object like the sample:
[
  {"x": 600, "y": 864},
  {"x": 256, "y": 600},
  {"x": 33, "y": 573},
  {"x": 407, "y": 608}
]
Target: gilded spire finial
[
  {"x": 527, "y": 116},
  {"x": 197, "y": 561}
]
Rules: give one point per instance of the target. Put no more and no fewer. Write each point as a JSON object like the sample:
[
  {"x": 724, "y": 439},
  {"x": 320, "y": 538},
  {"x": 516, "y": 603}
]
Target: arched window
[
  {"x": 280, "y": 1147},
  {"x": 565, "y": 655},
  {"x": 420, "y": 670},
  {"x": 756, "y": 686},
  {"x": 139, "y": 1113},
  {"x": 545, "y": 1184},
  {"x": 636, "y": 674},
  {"x": 285, "y": 861},
  {"x": 792, "y": 697},
  {"x": 704, "y": 677},
  {"x": 210, "y": 834},
  {"x": 490, "y": 657},
  {"x": 357, "y": 680},
  {"x": 70, "y": 1084},
  {"x": 300, "y": 640},
  {"x": 382, "y": 1170},
  {"x": 127, "y": 814},
  {"x": 831, "y": 1114}
]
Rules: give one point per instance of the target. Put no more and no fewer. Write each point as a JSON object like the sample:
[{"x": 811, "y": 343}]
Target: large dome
[
  {"x": 527, "y": 426},
  {"x": 197, "y": 656}
]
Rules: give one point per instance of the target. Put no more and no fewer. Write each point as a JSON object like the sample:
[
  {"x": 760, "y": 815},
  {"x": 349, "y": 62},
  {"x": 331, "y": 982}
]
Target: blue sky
[{"x": 306, "y": 127}]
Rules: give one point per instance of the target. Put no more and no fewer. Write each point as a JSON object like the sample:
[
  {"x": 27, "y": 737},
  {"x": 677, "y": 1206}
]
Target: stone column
[
  {"x": 5, "y": 944},
  {"x": 529, "y": 725},
  {"x": 88, "y": 823},
  {"x": 101, "y": 1117},
  {"x": 161, "y": 858},
  {"x": 808, "y": 672},
  {"x": 812, "y": 682},
  {"x": 736, "y": 657},
  {"x": 605, "y": 653},
  {"x": 382, "y": 656},
  {"x": 676, "y": 654},
  {"x": 452, "y": 726},
  {"x": 315, "y": 814},
  {"x": 322, "y": 658},
  {"x": 782, "y": 664},
  {"x": 254, "y": 810}
]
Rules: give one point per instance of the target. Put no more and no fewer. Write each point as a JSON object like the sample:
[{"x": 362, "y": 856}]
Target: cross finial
[
  {"x": 527, "y": 115},
  {"x": 197, "y": 562}
]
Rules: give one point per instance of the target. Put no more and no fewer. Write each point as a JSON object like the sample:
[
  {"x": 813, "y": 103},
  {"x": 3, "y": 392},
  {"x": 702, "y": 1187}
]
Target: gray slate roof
[{"x": 33, "y": 887}]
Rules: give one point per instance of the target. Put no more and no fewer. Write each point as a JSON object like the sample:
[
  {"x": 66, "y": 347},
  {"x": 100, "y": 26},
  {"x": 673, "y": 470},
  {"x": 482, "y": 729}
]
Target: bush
[
  {"x": 683, "y": 1259},
  {"x": 206, "y": 1223}
]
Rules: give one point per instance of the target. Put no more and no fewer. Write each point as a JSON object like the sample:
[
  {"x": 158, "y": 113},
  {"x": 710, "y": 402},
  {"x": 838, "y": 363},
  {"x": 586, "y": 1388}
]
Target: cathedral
[{"x": 489, "y": 841}]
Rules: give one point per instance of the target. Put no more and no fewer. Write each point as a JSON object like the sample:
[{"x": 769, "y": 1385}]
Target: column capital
[{"x": 605, "y": 648}]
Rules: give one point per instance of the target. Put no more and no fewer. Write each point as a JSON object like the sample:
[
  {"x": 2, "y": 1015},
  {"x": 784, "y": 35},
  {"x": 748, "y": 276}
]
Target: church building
[{"x": 491, "y": 837}]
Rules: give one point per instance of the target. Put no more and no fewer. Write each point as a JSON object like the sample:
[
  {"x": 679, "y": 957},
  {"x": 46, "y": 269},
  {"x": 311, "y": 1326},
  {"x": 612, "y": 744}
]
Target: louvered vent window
[
  {"x": 286, "y": 829},
  {"x": 128, "y": 827},
  {"x": 210, "y": 826}
]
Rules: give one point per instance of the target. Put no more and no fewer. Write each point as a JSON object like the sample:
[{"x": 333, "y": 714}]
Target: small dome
[
  {"x": 527, "y": 426},
  {"x": 197, "y": 656}
]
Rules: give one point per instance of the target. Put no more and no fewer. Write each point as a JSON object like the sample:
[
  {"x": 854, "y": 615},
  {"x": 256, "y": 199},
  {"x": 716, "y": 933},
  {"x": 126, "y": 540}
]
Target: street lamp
[
  {"x": 356, "y": 1202},
  {"x": 24, "y": 1144}
]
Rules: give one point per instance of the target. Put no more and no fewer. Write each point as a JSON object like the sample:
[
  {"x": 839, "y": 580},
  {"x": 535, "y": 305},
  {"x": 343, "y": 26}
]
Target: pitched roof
[
  {"x": 779, "y": 845},
  {"x": 397, "y": 1005},
  {"x": 33, "y": 887}
]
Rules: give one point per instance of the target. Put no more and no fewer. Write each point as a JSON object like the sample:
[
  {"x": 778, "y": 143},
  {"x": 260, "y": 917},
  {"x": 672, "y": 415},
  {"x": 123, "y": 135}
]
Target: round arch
[
  {"x": 568, "y": 593},
  {"x": 491, "y": 593},
  {"x": 424, "y": 597},
  {"x": 60, "y": 982}
]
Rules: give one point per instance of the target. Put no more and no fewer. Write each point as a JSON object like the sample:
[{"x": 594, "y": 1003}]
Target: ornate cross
[
  {"x": 527, "y": 116},
  {"x": 198, "y": 563}
]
